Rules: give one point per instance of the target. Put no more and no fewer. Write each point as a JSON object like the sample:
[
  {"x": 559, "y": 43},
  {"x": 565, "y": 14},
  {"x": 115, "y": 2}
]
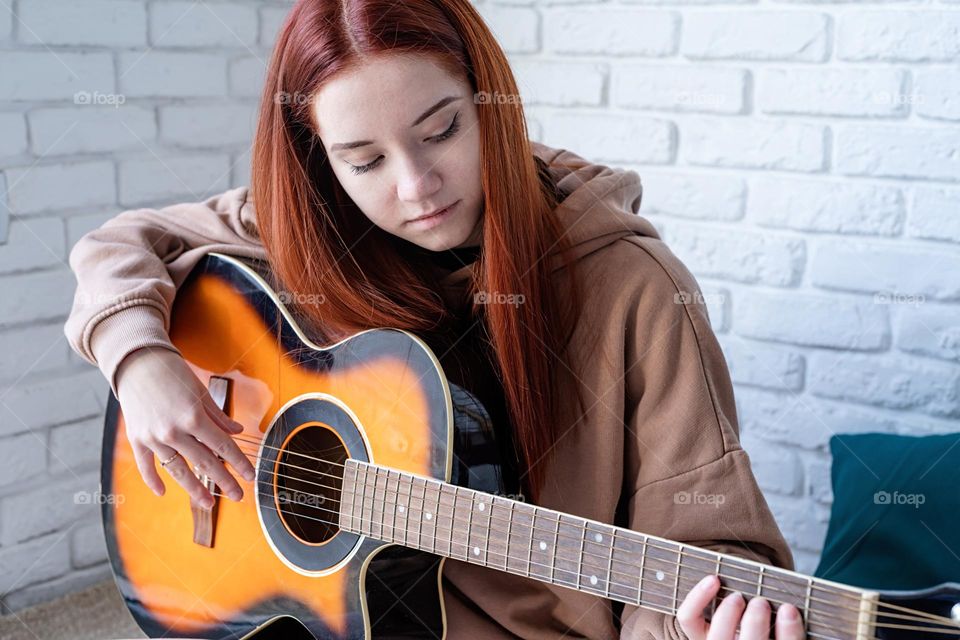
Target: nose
[{"x": 418, "y": 181}]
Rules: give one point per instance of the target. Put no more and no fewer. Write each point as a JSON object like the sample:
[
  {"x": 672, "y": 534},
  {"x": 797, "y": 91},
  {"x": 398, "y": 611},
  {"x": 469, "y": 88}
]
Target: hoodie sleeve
[
  {"x": 686, "y": 476},
  {"x": 128, "y": 271}
]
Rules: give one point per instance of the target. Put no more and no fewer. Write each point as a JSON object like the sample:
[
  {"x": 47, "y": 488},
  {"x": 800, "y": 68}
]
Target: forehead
[{"x": 388, "y": 91}]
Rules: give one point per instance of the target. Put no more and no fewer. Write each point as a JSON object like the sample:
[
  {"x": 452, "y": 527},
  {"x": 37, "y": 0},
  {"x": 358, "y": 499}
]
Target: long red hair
[{"x": 320, "y": 244}]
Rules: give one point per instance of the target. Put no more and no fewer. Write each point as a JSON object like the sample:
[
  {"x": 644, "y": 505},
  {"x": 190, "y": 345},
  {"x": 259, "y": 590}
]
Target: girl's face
[{"x": 403, "y": 138}]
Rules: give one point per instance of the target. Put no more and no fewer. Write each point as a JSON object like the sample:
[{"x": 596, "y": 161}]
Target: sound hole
[{"x": 309, "y": 481}]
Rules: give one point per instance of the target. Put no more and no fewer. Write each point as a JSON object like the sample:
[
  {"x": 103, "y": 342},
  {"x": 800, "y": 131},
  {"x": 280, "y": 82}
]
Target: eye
[{"x": 446, "y": 135}]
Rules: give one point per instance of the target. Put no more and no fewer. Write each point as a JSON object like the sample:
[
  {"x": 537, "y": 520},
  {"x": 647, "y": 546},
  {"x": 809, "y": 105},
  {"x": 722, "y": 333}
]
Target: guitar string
[
  {"x": 552, "y": 533},
  {"x": 673, "y": 600},
  {"x": 826, "y": 588}
]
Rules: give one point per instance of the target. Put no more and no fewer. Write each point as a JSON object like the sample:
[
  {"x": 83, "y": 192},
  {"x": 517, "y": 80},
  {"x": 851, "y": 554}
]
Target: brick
[
  {"x": 930, "y": 330},
  {"x": 92, "y": 129},
  {"x": 900, "y": 274},
  {"x": 614, "y": 138},
  {"x": 680, "y": 88},
  {"x": 755, "y": 35},
  {"x": 247, "y": 76},
  {"x": 98, "y": 23},
  {"x": 51, "y": 507},
  {"x": 817, "y": 482},
  {"x": 611, "y": 31},
  {"x": 899, "y": 36},
  {"x": 69, "y": 583},
  {"x": 34, "y": 243},
  {"x": 34, "y": 561},
  {"x": 517, "y": 29},
  {"x": 829, "y": 206},
  {"x": 812, "y": 320},
  {"x": 804, "y": 524},
  {"x": 75, "y": 448},
  {"x": 13, "y": 132},
  {"x": 213, "y": 126},
  {"x": 35, "y": 296},
  {"x": 4, "y": 209},
  {"x": 779, "y": 145},
  {"x": 693, "y": 195},
  {"x": 81, "y": 184},
  {"x": 739, "y": 255},
  {"x": 162, "y": 74},
  {"x": 776, "y": 470},
  {"x": 935, "y": 214},
  {"x": 22, "y": 457},
  {"x": 79, "y": 225},
  {"x": 271, "y": 20},
  {"x": 32, "y": 350},
  {"x": 569, "y": 84},
  {"x": 717, "y": 300},
  {"x": 894, "y": 383},
  {"x": 761, "y": 365},
  {"x": 205, "y": 24},
  {"x": 36, "y": 75},
  {"x": 240, "y": 173},
  {"x": 936, "y": 93},
  {"x": 87, "y": 545},
  {"x": 898, "y": 152},
  {"x": 6, "y": 23},
  {"x": 28, "y": 405},
  {"x": 796, "y": 420},
  {"x": 833, "y": 92},
  {"x": 172, "y": 177}
]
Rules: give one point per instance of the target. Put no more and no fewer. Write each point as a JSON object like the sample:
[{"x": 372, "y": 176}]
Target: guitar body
[{"x": 247, "y": 568}]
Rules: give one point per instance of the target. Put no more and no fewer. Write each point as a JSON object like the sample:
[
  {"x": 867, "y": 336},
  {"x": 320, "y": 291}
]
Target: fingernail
[
  {"x": 705, "y": 582},
  {"x": 248, "y": 474},
  {"x": 236, "y": 495},
  {"x": 791, "y": 613}
]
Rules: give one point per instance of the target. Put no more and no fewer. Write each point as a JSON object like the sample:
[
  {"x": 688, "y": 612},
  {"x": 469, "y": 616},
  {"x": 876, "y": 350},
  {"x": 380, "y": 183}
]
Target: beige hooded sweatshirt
[{"x": 660, "y": 416}]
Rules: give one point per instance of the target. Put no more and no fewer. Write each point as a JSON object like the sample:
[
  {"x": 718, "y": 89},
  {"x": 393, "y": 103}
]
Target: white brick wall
[
  {"x": 802, "y": 157},
  {"x": 104, "y": 105}
]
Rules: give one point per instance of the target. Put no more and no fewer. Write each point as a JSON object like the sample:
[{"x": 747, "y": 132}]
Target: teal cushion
[{"x": 895, "y": 520}]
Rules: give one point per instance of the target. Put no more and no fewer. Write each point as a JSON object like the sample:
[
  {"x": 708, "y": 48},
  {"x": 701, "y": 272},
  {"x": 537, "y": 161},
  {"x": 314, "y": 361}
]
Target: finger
[
  {"x": 179, "y": 469},
  {"x": 789, "y": 623},
  {"x": 724, "y": 622},
  {"x": 221, "y": 419},
  {"x": 203, "y": 459},
  {"x": 144, "y": 457},
  {"x": 227, "y": 448},
  {"x": 690, "y": 613},
  {"x": 755, "y": 623}
]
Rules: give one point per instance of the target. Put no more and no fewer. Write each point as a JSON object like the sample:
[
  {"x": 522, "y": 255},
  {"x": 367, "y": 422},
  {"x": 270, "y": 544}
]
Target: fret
[
  {"x": 520, "y": 544},
  {"x": 739, "y": 576},
  {"x": 676, "y": 579},
  {"x": 364, "y": 521},
  {"x": 430, "y": 513},
  {"x": 378, "y": 497},
  {"x": 499, "y": 532},
  {"x": 543, "y": 551},
  {"x": 346, "y": 500},
  {"x": 355, "y": 504},
  {"x": 716, "y": 598},
  {"x": 569, "y": 551},
  {"x": 412, "y": 518},
  {"x": 829, "y": 613},
  {"x": 425, "y": 544},
  {"x": 463, "y": 548},
  {"x": 402, "y": 508},
  {"x": 643, "y": 561},
  {"x": 660, "y": 566},
  {"x": 479, "y": 516},
  {"x": 806, "y": 606},
  {"x": 695, "y": 564},
  {"x": 760, "y": 582},
  {"x": 506, "y": 545},
  {"x": 393, "y": 482},
  {"x": 596, "y": 558},
  {"x": 445, "y": 516},
  {"x": 628, "y": 557}
]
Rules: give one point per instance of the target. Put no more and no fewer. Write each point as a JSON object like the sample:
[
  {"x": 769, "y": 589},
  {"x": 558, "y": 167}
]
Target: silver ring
[{"x": 169, "y": 460}]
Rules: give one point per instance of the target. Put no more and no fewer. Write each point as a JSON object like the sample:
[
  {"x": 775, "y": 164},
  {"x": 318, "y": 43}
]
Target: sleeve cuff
[{"x": 121, "y": 333}]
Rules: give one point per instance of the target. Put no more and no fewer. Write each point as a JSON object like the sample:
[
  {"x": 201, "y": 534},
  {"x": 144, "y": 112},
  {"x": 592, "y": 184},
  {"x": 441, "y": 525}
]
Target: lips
[{"x": 430, "y": 215}]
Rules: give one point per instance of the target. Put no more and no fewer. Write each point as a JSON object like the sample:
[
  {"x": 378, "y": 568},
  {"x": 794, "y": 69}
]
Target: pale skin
[{"x": 409, "y": 167}]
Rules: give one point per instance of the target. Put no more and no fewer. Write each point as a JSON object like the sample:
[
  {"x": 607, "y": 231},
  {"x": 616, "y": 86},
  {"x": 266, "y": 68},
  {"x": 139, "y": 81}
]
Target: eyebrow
[{"x": 426, "y": 114}]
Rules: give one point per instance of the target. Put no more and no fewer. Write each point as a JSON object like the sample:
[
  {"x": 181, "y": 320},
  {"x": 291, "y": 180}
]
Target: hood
[{"x": 599, "y": 205}]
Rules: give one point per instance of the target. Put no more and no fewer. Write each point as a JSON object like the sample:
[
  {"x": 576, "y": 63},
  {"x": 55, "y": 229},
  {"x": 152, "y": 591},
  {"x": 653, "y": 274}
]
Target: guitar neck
[{"x": 612, "y": 562}]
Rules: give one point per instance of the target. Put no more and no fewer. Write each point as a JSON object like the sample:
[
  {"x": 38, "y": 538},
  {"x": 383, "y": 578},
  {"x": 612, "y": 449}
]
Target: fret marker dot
[
  {"x": 429, "y": 516},
  {"x": 476, "y": 551},
  {"x": 593, "y": 579},
  {"x": 481, "y": 506},
  {"x": 659, "y": 575},
  {"x": 400, "y": 508},
  {"x": 543, "y": 546},
  {"x": 599, "y": 537}
]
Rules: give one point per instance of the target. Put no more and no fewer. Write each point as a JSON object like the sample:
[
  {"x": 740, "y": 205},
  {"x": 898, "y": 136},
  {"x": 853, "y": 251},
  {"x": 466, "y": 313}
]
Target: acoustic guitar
[{"x": 371, "y": 470}]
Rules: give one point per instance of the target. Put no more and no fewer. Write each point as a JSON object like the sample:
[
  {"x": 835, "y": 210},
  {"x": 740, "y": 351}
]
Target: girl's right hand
[{"x": 167, "y": 410}]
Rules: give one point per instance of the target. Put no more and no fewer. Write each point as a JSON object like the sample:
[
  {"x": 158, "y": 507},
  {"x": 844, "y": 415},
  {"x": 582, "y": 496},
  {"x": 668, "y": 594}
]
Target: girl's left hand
[{"x": 752, "y": 618}]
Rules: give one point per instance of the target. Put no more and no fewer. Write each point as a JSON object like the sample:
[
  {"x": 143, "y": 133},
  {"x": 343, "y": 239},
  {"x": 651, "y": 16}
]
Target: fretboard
[{"x": 612, "y": 562}]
